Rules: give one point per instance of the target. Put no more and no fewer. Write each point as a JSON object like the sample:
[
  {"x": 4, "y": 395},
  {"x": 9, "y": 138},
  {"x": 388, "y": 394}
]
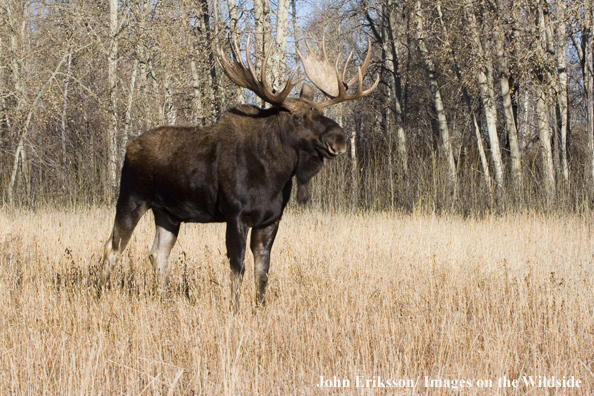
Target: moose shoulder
[{"x": 238, "y": 171}]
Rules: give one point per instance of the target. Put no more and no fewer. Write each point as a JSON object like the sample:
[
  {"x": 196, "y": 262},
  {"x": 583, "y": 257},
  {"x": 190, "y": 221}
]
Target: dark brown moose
[{"x": 238, "y": 171}]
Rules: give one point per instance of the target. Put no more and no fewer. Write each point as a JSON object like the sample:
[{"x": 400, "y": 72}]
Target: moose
[{"x": 238, "y": 170}]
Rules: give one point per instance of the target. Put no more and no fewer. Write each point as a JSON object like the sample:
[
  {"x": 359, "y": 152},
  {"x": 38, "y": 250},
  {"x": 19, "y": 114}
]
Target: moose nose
[
  {"x": 336, "y": 148},
  {"x": 336, "y": 142}
]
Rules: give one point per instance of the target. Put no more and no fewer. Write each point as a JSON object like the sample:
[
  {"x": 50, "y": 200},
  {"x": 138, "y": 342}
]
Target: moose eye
[{"x": 298, "y": 118}]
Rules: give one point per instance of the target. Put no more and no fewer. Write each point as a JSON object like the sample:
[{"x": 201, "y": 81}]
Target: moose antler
[
  {"x": 245, "y": 76},
  {"x": 330, "y": 81}
]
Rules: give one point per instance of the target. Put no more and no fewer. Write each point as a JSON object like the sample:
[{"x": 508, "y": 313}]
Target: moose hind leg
[
  {"x": 127, "y": 216},
  {"x": 236, "y": 236},
  {"x": 165, "y": 238},
  {"x": 261, "y": 244}
]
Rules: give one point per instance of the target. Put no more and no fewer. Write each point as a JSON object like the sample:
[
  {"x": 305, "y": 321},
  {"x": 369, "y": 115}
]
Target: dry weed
[{"x": 351, "y": 297}]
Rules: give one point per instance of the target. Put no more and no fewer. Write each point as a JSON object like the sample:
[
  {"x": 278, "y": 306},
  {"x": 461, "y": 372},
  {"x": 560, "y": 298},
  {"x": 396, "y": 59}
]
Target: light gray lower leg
[
  {"x": 165, "y": 238},
  {"x": 159, "y": 256}
]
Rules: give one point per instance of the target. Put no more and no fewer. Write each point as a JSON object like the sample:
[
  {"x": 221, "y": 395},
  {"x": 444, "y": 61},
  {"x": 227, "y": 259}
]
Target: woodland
[{"x": 483, "y": 106}]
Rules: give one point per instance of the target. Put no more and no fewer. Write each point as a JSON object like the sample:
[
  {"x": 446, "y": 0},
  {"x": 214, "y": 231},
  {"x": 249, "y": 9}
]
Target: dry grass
[{"x": 393, "y": 296}]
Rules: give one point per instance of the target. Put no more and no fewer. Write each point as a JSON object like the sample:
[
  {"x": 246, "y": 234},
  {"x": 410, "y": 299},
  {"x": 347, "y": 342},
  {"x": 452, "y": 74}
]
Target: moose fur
[{"x": 238, "y": 171}]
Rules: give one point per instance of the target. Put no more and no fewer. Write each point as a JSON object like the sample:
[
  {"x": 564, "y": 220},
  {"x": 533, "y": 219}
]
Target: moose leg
[
  {"x": 165, "y": 238},
  {"x": 261, "y": 244},
  {"x": 235, "y": 239},
  {"x": 128, "y": 213}
]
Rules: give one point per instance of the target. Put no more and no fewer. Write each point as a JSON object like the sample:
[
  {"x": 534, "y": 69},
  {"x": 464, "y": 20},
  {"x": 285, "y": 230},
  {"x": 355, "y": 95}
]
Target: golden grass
[{"x": 374, "y": 295}]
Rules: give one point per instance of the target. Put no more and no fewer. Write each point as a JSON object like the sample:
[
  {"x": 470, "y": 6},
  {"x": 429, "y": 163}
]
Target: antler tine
[
  {"x": 346, "y": 65},
  {"x": 245, "y": 75},
  {"x": 365, "y": 64},
  {"x": 268, "y": 51},
  {"x": 324, "y": 48}
]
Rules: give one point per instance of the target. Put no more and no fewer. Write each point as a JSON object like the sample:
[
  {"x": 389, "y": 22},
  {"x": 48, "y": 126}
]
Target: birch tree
[
  {"x": 503, "y": 76},
  {"x": 112, "y": 138},
  {"x": 388, "y": 35},
  {"x": 562, "y": 100},
  {"x": 233, "y": 27},
  {"x": 583, "y": 21},
  {"x": 542, "y": 98},
  {"x": 467, "y": 101},
  {"x": 437, "y": 99},
  {"x": 484, "y": 75},
  {"x": 279, "y": 53}
]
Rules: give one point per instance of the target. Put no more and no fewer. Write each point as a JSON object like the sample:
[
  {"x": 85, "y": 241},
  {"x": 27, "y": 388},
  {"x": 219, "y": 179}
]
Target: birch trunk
[
  {"x": 587, "y": 65},
  {"x": 554, "y": 87},
  {"x": 170, "y": 111},
  {"x": 562, "y": 99},
  {"x": 112, "y": 139},
  {"x": 545, "y": 142},
  {"x": 144, "y": 88},
  {"x": 485, "y": 84},
  {"x": 468, "y": 101},
  {"x": 508, "y": 111},
  {"x": 294, "y": 21},
  {"x": 128, "y": 117},
  {"x": 262, "y": 24},
  {"x": 212, "y": 34},
  {"x": 157, "y": 93},
  {"x": 543, "y": 49},
  {"x": 437, "y": 101},
  {"x": 259, "y": 39},
  {"x": 65, "y": 107},
  {"x": 198, "y": 117},
  {"x": 233, "y": 20},
  {"x": 279, "y": 53},
  {"x": 583, "y": 48},
  {"x": 392, "y": 64}
]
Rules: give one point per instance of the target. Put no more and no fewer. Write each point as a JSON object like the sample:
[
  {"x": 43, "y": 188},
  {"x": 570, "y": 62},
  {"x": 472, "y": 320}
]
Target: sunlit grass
[{"x": 369, "y": 295}]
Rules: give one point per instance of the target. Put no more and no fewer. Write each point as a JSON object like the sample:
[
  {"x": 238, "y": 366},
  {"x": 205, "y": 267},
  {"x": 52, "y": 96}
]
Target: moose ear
[{"x": 307, "y": 92}]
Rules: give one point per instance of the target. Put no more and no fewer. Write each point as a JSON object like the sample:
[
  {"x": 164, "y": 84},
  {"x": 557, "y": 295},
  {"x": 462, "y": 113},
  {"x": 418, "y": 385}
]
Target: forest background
[{"x": 482, "y": 106}]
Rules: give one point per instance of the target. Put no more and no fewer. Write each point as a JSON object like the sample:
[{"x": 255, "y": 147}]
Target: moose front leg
[
  {"x": 261, "y": 244},
  {"x": 235, "y": 240}
]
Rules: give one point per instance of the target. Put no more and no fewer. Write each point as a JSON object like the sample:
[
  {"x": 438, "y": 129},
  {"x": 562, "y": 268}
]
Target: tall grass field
[{"x": 359, "y": 304}]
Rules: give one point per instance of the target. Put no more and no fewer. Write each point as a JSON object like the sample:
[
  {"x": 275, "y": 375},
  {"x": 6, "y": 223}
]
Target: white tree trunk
[
  {"x": 437, "y": 101},
  {"x": 510, "y": 123},
  {"x": 485, "y": 83},
  {"x": 545, "y": 143},
  {"x": 260, "y": 39},
  {"x": 233, "y": 20},
  {"x": 562, "y": 99},
  {"x": 587, "y": 72},
  {"x": 468, "y": 101},
  {"x": 279, "y": 54},
  {"x": 197, "y": 103},
  {"x": 391, "y": 51},
  {"x": 65, "y": 106},
  {"x": 128, "y": 117},
  {"x": 112, "y": 139}
]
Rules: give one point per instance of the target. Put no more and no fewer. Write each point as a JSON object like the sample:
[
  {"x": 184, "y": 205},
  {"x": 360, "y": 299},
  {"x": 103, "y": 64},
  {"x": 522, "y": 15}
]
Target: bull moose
[{"x": 238, "y": 171}]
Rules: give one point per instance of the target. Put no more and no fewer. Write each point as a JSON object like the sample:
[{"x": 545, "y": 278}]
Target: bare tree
[
  {"x": 437, "y": 99},
  {"x": 503, "y": 75},
  {"x": 388, "y": 35},
  {"x": 112, "y": 139},
  {"x": 484, "y": 75}
]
